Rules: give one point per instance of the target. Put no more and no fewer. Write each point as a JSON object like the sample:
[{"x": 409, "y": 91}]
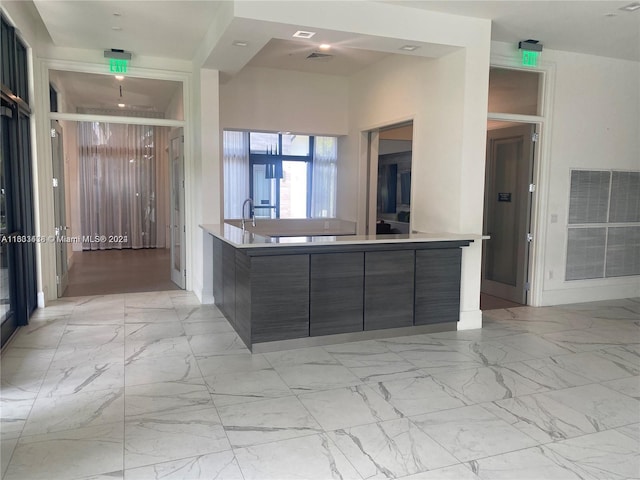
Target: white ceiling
[{"x": 176, "y": 29}]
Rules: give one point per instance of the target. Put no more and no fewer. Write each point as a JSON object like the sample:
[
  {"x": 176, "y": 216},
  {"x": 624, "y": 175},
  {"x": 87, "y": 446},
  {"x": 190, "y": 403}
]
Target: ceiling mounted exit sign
[
  {"x": 117, "y": 65},
  {"x": 530, "y": 58}
]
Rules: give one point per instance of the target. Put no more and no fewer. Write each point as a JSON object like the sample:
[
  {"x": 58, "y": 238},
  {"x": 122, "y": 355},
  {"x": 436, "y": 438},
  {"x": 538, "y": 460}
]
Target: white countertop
[{"x": 239, "y": 239}]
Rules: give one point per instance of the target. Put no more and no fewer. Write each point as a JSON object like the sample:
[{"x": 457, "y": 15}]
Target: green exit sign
[
  {"x": 530, "y": 58},
  {"x": 117, "y": 65}
]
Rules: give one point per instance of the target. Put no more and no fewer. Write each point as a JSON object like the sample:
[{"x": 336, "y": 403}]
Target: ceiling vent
[{"x": 319, "y": 56}]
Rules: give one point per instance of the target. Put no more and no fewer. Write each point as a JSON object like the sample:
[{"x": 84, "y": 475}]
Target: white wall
[
  {"x": 279, "y": 100},
  {"x": 596, "y": 125}
]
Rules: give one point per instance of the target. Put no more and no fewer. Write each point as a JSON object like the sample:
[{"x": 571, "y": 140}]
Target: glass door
[
  {"x": 264, "y": 189},
  {"x": 176, "y": 159},
  {"x": 57, "y": 158},
  {"x": 8, "y": 317}
]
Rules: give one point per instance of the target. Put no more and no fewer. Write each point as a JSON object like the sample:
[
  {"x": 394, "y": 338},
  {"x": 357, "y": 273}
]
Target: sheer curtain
[
  {"x": 118, "y": 185},
  {"x": 324, "y": 177},
  {"x": 235, "y": 147}
]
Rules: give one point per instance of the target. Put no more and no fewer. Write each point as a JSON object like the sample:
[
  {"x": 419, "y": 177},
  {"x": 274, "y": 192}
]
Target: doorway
[
  {"x": 390, "y": 159},
  {"x": 507, "y": 214},
  {"x": 59, "y": 207}
]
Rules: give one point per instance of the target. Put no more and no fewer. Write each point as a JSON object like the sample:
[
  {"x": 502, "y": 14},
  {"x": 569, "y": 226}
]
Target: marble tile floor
[{"x": 156, "y": 386}]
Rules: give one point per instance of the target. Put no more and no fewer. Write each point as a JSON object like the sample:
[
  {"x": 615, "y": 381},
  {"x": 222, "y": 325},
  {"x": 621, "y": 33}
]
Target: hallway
[
  {"x": 105, "y": 272},
  {"x": 155, "y": 385}
]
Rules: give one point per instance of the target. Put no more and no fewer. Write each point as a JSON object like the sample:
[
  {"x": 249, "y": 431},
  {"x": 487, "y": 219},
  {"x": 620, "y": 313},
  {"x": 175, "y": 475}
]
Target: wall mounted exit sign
[
  {"x": 117, "y": 65},
  {"x": 530, "y": 58}
]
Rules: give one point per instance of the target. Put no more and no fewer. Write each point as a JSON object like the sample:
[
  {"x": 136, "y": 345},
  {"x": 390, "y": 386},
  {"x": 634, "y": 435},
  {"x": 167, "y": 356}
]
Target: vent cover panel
[
  {"x": 625, "y": 197},
  {"x": 623, "y": 251},
  {"x": 589, "y": 197},
  {"x": 585, "y": 253}
]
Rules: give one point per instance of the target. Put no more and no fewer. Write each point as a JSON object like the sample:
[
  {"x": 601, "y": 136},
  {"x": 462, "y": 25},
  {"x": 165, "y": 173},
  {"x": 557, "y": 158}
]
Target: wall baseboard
[
  {"x": 590, "y": 294},
  {"x": 470, "y": 320}
]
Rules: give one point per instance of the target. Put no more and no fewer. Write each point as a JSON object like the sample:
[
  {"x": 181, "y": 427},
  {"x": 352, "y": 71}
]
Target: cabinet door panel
[
  {"x": 336, "y": 291},
  {"x": 228, "y": 306},
  {"x": 437, "y": 286},
  {"x": 217, "y": 271},
  {"x": 279, "y": 297},
  {"x": 388, "y": 289}
]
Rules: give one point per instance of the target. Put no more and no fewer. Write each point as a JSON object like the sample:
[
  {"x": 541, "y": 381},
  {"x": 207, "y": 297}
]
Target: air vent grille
[{"x": 319, "y": 56}]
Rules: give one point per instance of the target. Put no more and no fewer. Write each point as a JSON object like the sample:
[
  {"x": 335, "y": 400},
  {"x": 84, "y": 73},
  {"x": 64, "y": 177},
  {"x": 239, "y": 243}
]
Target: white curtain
[
  {"x": 118, "y": 185},
  {"x": 324, "y": 177},
  {"x": 235, "y": 147}
]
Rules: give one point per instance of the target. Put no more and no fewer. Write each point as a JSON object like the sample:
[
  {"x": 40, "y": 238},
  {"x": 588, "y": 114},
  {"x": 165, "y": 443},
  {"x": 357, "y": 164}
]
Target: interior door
[
  {"x": 507, "y": 213},
  {"x": 176, "y": 161},
  {"x": 59, "y": 210}
]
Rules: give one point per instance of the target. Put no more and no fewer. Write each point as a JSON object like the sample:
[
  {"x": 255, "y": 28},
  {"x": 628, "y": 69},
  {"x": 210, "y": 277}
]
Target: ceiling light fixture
[
  {"x": 240, "y": 43},
  {"x": 632, "y": 7},
  {"x": 119, "y": 77},
  {"x": 303, "y": 34},
  {"x": 324, "y": 46},
  {"x": 121, "y": 105},
  {"x": 116, "y": 28},
  {"x": 409, "y": 48},
  {"x": 117, "y": 14}
]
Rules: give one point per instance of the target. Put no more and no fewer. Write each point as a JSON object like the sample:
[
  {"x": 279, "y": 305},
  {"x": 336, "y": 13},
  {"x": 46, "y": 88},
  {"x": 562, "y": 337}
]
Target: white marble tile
[
  {"x": 43, "y": 334},
  {"x": 440, "y": 361},
  {"x": 198, "y": 313},
  {"x": 149, "y": 300},
  {"x": 617, "y": 332},
  {"x": 241, "y": 362},
  {"x": 301, "y": 356},
  {"x": 69, "y": 454},
  {"x": 217, "y": 325},
  {"x": 604, "y": 407},
  {"x": 217, "y": 344},
  {"x": 174, "y": 368},
  {"x": 7, "y": 445},
  {"x": 629, "y": 386},
  {"x": 187, "y": 299},
  {"x": 152, "y": 331},
  {"x": 240, "y": 387},
  {"x": 454, "y": 472},
  {"x": 88, "y": 355},
  {"x": 101, "y": 304},
  {"x": 24, "y": 360},
  {"x": 348, "y": 407},
  {"x": 70, "y": 412},
  {"x": 413, "y": 396},
  {"x": 421, "y": 343},
  {"x": 164, "y": 398},
  {"x": 89, "y": 378},
  {"x": 542, "y": 418},
  {"x": 161, "y": 347},
  {"x": 92, "y": 335},
  {"x": 13, "y": 415},
  {"x": 314, "y": 457},
  {"x": 547, "y": 373},
  {"x": 390, "y": 449},
  {"x": 313, "y": 377},
  {"x": 22, "y": 385},
  {"x": 267, "y": 421},
  {"x": 527, "y": 464},
  {"x": 487, "y": 352},
  {"x": 221, "y": 465},
  {"x": 632, "y": 431},
  {"x": 580, "y": 340},
  {"x": 160, "y": 438},
  {"x": 117, "y": 475},
  {"x": 150, "y": 315},
  {"x": 472, "y": 432},
  {"x": 479, "y": 385},
  {"x": 534, "y": 345},
  {"x": 596, "y": 367},
  {"x": 94, "y": 318},
  {"x": 373, "y": 362},
  {"x": 606, "y": 455}
]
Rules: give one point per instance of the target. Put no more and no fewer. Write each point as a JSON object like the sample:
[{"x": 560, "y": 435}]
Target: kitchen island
[{"x": 284, "y": 292}]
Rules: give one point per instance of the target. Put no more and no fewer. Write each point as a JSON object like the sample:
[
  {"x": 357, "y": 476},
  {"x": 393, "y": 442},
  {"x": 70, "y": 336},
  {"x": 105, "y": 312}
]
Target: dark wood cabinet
[
  {"x": 388, "y": 289},
  {"x": 336, "y": 293},
  {"x": 279, "y": 297},
  {"x": 217, "y": 271},
  {"x": 437, "y": 297},
  {"x": 228, "y": 306}
]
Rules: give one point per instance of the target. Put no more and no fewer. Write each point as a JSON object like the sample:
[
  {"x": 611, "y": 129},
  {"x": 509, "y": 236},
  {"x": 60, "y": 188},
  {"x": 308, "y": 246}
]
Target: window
[{"x": 289, "y": 175}]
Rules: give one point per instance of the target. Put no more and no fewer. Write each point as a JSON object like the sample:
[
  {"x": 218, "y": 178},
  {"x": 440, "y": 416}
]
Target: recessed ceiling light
[
  {"x": 632, "y": 7},
  {"x": 119, "y": 77},
  {"x": 303, "y": 34},
  {"x": 409, "y": 48},
  {"x": 241, "y": 43},
  {"x": 324, "y": 46},
  {"x": 121, "y": 105},
  {"x": 610, "y": 14},
  {"x": 116, "y": 28},
  {"x": 117, "y": 14}
]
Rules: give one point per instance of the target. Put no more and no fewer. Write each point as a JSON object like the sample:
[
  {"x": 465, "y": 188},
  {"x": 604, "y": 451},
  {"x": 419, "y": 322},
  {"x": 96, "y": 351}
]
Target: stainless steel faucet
[{"x": 252, "y": 213}]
